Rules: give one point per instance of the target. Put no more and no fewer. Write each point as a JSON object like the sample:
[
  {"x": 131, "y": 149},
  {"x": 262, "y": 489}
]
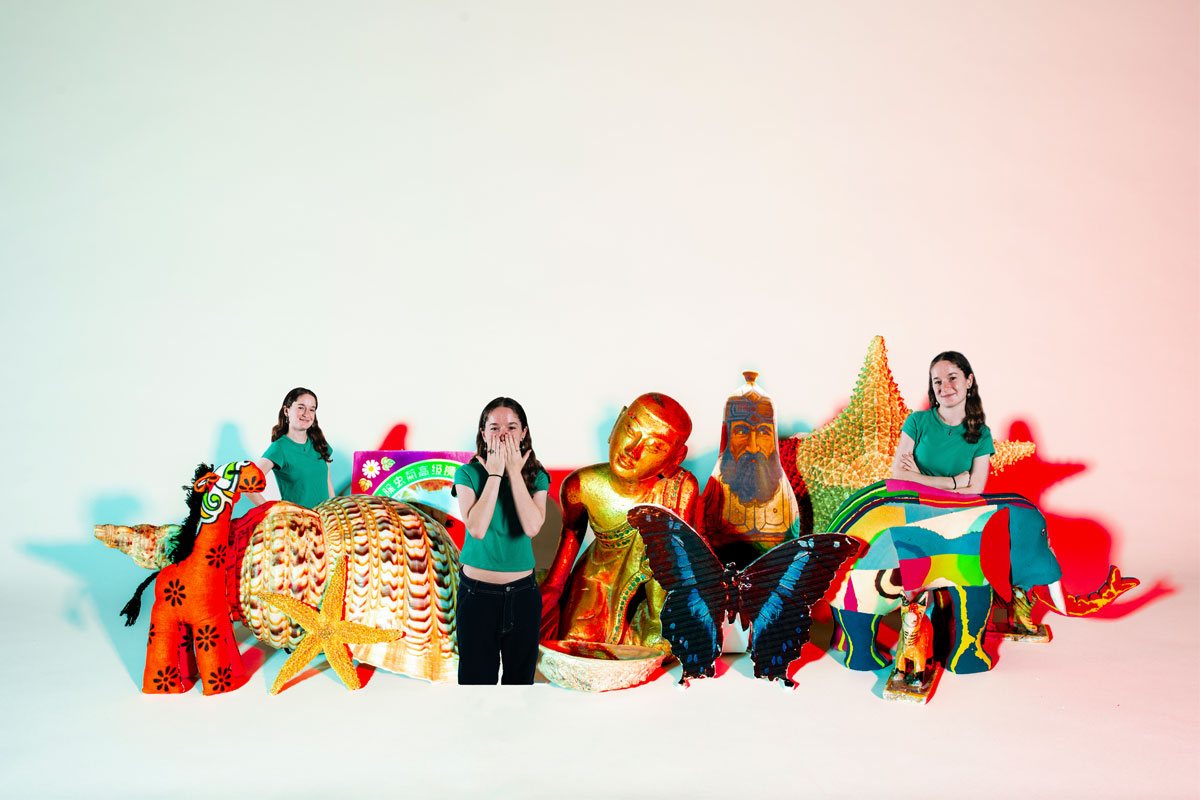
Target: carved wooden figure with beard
[{"x": 748, "y": 506}]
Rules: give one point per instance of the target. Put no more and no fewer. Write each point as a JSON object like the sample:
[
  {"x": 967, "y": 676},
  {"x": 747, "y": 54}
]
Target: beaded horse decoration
[{"x": 191, "y": 636}]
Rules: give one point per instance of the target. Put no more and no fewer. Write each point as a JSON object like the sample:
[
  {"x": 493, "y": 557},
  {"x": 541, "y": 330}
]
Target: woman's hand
[
  {"x": 513, "y": 459},
  {"x": 907, "y": 462},
  {"x": 531, "y": 509},
  {"x": 266, "y": 465},
  {"x": 494, "y": 463},
  {"x": 962, "y": 480}
]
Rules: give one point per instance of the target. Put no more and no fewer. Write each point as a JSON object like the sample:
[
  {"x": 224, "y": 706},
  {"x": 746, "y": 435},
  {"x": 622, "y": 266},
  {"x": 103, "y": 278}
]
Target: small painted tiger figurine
[{"x": 914, "y": 652}]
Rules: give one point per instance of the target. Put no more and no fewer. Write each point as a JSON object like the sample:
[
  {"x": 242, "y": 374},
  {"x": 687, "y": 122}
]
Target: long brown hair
[
  {"x": 532, "y": 467},
  {"x": 314, "y": 432},
  {"x": 975, "y": 418}
]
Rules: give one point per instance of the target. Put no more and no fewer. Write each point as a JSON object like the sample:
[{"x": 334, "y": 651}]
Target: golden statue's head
[
  {"x": 649, "y": 438},
  {"x": 749, "y": 461}
]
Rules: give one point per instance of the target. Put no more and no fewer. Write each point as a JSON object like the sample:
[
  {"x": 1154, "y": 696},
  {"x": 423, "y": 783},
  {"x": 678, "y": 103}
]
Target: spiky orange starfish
[
  {"x": 326, "y": 629},
  {"x": 857, "y": 447}
]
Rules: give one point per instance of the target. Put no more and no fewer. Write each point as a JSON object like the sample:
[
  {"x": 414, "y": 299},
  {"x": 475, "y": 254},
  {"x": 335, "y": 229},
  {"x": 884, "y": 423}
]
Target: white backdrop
[{"x": 412, "y": 208}]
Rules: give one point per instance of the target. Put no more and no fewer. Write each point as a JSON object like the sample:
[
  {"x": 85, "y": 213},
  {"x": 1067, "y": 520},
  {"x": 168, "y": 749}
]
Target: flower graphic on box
[{"x": 370, "y": 469}]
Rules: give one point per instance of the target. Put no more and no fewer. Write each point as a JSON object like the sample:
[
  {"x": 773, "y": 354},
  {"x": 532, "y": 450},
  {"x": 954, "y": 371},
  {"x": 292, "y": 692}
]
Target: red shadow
[
  {"x": 808, "y": 654},
  {"x": 557, "y": 476},
  {"x": 1083, "y": 545},
  {"x": 395, "y": 438},
  {"x": 365, "y": 673},
  {"x": 658, "y": 672},
  {"x": 938, "y": 672},
  {"x": 254, "y": 658},
  {"x": 724, "y": 661}
]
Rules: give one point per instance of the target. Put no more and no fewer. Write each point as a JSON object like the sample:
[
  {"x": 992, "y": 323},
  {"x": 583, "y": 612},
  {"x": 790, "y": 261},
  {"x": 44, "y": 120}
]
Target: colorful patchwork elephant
[{"x": 974, "y": 545}]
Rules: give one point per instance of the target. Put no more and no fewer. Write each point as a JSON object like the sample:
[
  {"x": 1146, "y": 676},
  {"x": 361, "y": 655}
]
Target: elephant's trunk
[
  {"x": 1081, "y": 605},
  {"x": 145, "y": 544}
]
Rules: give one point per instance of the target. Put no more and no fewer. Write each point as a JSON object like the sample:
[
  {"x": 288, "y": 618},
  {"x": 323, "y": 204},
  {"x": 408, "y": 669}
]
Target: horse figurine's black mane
[{"x": 190, "y": 528}]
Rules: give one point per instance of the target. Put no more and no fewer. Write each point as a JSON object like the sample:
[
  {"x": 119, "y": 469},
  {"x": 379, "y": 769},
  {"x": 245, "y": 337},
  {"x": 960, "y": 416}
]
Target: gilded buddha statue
[{"x": 610, "y": 595}]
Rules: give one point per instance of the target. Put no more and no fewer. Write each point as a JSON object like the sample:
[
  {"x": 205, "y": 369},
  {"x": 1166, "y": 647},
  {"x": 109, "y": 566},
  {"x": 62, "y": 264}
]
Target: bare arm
[
  {"x": 329, "y": 477},
  {"x": 532, "y": 512},
  {"x": 477, "y": 511},
  {"x": 904, "y": 468},
  {"x": 266, "y": 465},
  {"x": 979, "y": 475}
]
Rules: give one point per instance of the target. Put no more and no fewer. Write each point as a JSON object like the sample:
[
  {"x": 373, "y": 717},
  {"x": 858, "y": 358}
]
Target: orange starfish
[
  {"x": 326, "y": 630},
  {"x": 857, "y": 447}
]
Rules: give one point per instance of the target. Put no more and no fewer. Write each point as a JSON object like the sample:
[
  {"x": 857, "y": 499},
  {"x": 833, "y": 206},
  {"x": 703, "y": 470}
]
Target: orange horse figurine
[{"x": 190, "y": 632}]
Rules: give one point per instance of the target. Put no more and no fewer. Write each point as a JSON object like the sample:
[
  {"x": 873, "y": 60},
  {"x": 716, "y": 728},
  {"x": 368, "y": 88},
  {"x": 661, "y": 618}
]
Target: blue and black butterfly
[{"x": 774, "y": 595}]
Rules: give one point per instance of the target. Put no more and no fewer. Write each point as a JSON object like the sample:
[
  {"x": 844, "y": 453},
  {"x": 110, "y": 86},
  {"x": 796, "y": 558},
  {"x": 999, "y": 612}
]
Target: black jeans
[{"x": 498, "y": 621}]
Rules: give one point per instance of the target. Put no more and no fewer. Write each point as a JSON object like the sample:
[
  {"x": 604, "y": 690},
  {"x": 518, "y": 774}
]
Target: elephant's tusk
[{"x": 1056, "y": 594}]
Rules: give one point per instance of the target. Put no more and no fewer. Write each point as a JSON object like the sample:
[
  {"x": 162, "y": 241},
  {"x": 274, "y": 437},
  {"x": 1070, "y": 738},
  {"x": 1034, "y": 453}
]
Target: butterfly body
[{"x": 773, "y": 595}]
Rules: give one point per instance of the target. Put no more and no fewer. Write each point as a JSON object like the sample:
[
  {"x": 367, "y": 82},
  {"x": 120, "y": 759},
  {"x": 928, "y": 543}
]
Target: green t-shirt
[
  {"x": 302, "y": 474},
  {"x": 505, "y": 547},
  {"x": 940, "y": 448}
]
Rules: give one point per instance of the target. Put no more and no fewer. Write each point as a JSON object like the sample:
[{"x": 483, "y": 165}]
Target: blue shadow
[{"x": 106, "y": 579}]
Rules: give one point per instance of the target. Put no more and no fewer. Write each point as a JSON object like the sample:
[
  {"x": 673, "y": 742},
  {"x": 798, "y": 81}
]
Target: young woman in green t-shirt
[
  {"x": 298, "y": 454},
  {"x": 502, "y": 499},
  {"x": 946, "y": 447},
  {"x": 949, "y": 446}
]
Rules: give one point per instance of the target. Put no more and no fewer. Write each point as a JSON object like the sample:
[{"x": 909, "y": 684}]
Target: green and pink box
[{"x": 423, "y": 477}]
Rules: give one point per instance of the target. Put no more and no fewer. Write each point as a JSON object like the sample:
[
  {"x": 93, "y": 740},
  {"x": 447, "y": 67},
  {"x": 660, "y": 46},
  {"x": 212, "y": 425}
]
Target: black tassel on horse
[{"x": 134, "y": 606}]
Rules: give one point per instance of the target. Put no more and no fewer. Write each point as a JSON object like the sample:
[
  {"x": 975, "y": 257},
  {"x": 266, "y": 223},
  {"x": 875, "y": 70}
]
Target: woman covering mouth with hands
[{"x": 502, "y": 498}]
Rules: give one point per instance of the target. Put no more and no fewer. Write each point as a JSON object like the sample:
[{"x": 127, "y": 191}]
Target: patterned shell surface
[{"x": 403, "y": 574}]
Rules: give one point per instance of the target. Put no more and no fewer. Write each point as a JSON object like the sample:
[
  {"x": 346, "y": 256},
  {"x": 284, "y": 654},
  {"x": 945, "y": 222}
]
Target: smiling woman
[
  {"x": 298, "y": 454},
  {"x": 948, "y": 446}
]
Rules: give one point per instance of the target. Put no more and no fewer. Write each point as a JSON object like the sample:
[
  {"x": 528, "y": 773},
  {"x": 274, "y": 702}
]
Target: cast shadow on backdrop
[
  {"x": 1083, "y": 545},
  {"x": 108, "y": 578}
]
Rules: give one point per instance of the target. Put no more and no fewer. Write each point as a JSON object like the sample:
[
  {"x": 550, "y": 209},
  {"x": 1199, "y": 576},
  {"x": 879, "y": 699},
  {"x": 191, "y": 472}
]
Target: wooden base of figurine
[
  {"x": 900, "y": 687},
  {"x": 1038, "y": 634},
  {"x": 1013, "y": 620}
]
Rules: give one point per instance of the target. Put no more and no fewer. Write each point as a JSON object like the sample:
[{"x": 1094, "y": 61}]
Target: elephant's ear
[{"x": 994, "y": 557}]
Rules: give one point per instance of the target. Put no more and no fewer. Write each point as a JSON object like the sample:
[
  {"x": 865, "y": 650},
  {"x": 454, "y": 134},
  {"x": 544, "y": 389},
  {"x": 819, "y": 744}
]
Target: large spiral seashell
[
  {"x": 287, "y": 554},
  {"x": 403, "y": 574}
]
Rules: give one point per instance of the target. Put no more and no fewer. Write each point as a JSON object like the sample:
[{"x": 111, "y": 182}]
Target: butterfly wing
[
  {"x": 779, "y": 590},
  {"x": 693, "y": 578}
]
